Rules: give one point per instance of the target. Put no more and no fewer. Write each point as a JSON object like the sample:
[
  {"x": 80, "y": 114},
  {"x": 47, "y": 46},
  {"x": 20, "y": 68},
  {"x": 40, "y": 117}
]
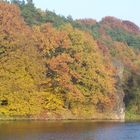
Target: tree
[{"x": 29, "y": 1}]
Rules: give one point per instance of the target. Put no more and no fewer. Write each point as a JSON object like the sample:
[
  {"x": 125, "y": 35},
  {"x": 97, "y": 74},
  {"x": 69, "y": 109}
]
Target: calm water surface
[{"x": 70, "y": 130}]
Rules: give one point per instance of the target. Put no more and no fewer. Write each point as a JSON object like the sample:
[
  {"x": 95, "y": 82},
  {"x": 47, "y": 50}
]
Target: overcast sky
[{"x": 96, "y": 9}]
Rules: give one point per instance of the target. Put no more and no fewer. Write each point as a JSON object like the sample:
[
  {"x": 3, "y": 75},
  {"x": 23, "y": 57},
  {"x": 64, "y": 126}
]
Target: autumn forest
[{"x": 55, "y": 67}]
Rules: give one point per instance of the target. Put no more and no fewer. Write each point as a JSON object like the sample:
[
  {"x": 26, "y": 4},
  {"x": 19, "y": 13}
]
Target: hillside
[
  {"x": 120, "y": 41},
  {"x": 54, "y": 67}
]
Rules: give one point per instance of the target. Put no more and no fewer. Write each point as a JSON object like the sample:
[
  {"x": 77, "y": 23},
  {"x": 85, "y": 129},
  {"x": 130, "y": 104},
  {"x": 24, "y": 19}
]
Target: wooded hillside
[{"x": 56, "y": 66}]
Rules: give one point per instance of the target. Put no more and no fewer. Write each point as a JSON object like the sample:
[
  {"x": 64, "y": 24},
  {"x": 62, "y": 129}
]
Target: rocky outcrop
[{"x": 120, "y": 106}]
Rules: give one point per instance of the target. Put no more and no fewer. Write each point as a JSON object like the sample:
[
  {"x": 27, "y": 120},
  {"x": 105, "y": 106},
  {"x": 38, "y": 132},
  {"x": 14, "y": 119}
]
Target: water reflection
[{"x": 69, "y": 130}]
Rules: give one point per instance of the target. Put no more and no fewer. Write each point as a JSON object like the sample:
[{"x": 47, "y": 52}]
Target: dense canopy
[{"x": 56, "y": 66}]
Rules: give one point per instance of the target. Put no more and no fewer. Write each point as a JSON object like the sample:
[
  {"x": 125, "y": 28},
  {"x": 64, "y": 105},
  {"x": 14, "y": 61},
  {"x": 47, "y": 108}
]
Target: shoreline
[{"x": 67, "y": 120}]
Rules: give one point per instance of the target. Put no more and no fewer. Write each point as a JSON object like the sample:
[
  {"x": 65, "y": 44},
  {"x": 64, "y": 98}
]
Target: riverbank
[
  {"x": 128, "y": 117},
  {"x": 132, "y": 117},
  {"x": 67, "y": 115},
  {"x": 60, "y": 119}
]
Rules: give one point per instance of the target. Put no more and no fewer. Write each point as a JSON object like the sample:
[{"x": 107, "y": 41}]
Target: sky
[{"x": 96, "y": 9}]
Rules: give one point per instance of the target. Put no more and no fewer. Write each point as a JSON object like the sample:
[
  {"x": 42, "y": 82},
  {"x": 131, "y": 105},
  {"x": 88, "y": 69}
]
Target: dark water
[{"x": 74, "y": 130}]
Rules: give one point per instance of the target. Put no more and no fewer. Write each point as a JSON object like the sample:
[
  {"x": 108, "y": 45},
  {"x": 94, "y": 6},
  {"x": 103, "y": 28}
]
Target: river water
[{"x": 69, "y": 130}]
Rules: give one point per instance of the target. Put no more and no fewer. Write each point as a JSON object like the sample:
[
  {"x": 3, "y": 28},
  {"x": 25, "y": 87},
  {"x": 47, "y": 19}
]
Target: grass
[{"x": 130, "y": 116}]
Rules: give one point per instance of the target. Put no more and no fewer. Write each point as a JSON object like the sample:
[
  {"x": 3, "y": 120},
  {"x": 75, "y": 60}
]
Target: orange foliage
[{"x": 87, "y": 21}]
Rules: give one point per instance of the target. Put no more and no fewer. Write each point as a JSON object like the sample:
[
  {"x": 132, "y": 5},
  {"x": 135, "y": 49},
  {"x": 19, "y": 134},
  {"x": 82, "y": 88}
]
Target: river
[{"x": 69, "y": 130}]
